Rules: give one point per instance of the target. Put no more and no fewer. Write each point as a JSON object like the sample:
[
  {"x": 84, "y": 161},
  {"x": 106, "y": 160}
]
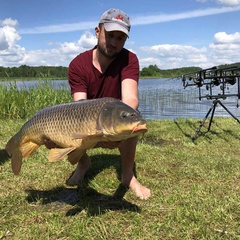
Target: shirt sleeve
[
  {"x": 76, "y": 76},
  {"x": 131, "y": 70}
]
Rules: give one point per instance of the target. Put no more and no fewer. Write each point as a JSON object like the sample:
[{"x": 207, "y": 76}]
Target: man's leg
[
  {"x": 127, "y": 151},
  {"x": 83, "y": 165}
]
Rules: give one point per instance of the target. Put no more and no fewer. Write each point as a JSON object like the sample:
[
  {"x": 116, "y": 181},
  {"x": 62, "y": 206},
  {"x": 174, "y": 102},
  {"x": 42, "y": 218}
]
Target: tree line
[
  {"x": 154, "y": 71},
  {"x": 40, "y": 72},
  {"x": 53, "y": 72}
]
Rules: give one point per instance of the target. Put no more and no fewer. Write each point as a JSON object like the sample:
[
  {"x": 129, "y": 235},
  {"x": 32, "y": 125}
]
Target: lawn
[{"x": 195, "y": 188}]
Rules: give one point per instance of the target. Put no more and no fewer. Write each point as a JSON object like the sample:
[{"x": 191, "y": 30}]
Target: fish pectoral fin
[
  {"x": 87, "y": 136},
  {"x": 28, "y": 148},
  {"x": 16, "y": 162},
  {"x": 59, "y": 153},
  {"x": 75, "y": 156}
]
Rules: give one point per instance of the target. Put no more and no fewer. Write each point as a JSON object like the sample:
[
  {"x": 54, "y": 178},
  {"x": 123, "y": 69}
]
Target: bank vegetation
[{"x": 25, "y": 72}]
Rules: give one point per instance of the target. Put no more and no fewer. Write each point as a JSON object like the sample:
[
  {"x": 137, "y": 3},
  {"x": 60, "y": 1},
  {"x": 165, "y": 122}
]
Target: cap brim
[{"x": 115, "y": 27}]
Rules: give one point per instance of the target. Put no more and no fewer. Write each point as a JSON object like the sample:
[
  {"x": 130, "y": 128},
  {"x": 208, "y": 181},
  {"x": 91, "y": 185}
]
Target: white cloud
[
  {"x": 3, "y": 41},
  {"x": 62, "y": 54},
  {"x": 173, "y": 56},
  {"x": 87, "y": 40},
  {"x": 8, "y": 34},
  {"x": 168, "y": 50},
  {"x": 136, "y": 20},
  {"x": 223, "y": 2},
  {"x": 229, "y": 2},
  {"x": 11, "y": 35},
  {"x": 226, "y": 47},
  {"x": 151, "y": 19},
  {"x": 145, "y": 62},
  {"x": 70, "y": 27},
  {"x": 11, "y": 54},
  {"x": 222, "y": 38},
  {"x": 9, "y": 22},
  {"x": 10, "y": 51}
]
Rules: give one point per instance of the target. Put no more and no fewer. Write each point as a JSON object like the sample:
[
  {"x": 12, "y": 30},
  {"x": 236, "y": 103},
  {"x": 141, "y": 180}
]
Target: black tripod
[{"x": 212, "y": 109}]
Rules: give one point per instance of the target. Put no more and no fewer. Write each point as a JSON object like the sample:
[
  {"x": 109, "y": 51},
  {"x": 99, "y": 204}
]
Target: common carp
[{"x": 75, "y": 127}]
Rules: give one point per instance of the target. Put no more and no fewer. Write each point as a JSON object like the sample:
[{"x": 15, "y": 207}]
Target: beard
[{"x": 105, "y": 53}]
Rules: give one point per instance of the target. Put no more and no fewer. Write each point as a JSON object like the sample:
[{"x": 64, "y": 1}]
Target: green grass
[
  {"x": 22, "y": 104},
  {"x": 195, "y": 188}
]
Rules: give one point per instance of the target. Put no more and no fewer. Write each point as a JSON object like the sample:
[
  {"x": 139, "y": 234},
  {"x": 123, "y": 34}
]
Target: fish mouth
[{"x": 140, "y": 128}]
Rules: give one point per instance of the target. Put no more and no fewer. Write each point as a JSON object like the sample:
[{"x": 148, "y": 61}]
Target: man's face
[{"x": 111, "y": 43}]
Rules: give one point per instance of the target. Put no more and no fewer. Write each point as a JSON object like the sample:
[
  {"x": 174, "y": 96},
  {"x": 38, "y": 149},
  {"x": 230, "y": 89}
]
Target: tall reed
[{"x": 24, "y": 103}]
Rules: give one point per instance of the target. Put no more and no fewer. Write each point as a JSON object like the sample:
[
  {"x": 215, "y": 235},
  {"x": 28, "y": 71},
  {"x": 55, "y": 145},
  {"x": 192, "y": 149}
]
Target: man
[{"x": 109, "y": 70}]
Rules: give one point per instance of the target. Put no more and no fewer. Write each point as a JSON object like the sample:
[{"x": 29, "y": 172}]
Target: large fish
[{"x": 74, "y": 128}]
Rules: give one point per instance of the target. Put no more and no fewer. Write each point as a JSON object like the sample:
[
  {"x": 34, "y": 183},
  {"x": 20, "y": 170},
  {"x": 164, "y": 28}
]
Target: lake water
[{"x": 167, "y": 99}]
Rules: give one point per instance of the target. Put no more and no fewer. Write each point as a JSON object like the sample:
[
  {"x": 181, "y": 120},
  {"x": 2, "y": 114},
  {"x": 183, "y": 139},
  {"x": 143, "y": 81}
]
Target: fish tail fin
[
  {"x": 23, "y": 152},
  {"x": 16, "y": 162},
  {"x": 17, "y": 152},
  {"x": 12, "y": 148},
  {"x": 12, "y": 145}
]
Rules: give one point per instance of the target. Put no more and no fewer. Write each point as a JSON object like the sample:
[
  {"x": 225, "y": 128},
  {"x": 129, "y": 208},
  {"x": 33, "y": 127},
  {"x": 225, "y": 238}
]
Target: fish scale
[{"x": 74, "y": 128}]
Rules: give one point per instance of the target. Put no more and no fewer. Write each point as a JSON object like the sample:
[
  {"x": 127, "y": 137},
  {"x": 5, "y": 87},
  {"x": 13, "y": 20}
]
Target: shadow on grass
[
  {"x": 190, "y": 124},
  {"x": 154, "y": 141},
  {"x": 204, "y": 130},
  {"x": 84, "y": 197},
  {"x": 3, "y": 156}
]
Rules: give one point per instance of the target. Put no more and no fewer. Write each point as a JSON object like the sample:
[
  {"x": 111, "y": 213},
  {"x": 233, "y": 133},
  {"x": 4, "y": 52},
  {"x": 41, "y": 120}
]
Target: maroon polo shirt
[{"x": 84, "y": 77}]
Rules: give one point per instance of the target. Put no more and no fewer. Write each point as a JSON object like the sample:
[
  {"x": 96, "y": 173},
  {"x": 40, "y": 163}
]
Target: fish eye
[{"x": 124, "y": 114}]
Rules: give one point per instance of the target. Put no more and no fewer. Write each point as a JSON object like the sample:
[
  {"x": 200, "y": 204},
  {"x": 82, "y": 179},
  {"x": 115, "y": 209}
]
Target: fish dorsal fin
[
  {"x": 16, "y": 162},
  {"x": 59, "y": 153},
  {"x": 28, "y": 148},
  {"x": 75, "y": 156}
]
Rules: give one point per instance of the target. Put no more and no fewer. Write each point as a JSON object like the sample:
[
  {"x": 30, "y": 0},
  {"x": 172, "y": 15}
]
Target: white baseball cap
[{"x": 116, "y": 20}]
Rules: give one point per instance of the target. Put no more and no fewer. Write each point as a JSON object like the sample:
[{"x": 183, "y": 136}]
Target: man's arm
[
  {"x": 130, "y": 92},
  {"x": 79, "y": 95}
]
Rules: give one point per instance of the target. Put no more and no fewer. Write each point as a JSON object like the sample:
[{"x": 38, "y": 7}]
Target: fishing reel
[
  {"x": 212, "y": 78},
  {"x": 218, "y": 83}
]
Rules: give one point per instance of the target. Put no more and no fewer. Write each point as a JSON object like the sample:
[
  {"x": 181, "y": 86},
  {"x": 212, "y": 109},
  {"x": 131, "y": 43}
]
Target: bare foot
[
  {"x": 138, "y": 189},
  {"x": 82, "y": 167}
]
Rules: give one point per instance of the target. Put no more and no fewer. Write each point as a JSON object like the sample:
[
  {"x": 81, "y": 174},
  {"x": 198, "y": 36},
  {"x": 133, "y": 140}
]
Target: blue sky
[{"x": 168, "y": 33}]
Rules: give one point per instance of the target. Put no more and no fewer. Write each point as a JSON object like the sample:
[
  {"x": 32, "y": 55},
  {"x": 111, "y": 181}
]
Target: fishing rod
[{"x": 217, "y": 82}]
